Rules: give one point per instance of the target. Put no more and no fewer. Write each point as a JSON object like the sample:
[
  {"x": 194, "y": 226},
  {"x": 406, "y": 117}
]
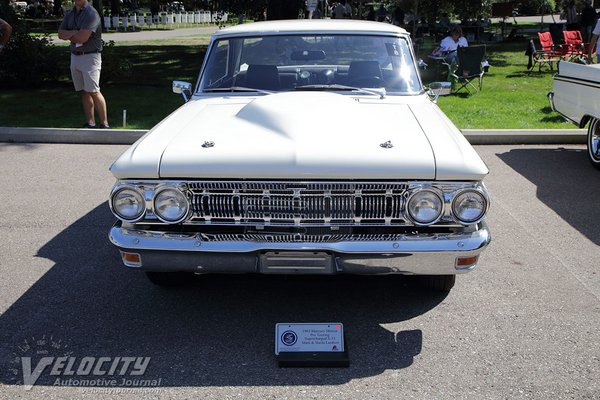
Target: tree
[
  {"x": 432, "y": 9},
  {"x": 6, "y": 12},
  {"x": 283, "y": 9},
  {"x": 115, "y": 7},
  {"x": 253, "y": 9},
  {"x": 98, "y": 6}
]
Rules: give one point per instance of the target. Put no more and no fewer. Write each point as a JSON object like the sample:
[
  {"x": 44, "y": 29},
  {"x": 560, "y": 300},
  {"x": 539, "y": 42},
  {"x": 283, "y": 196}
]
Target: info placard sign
[{"x": 309, "y": 337}]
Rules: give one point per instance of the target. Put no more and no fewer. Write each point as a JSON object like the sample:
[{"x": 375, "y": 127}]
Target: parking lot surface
[{"x": 524, "y": 324}]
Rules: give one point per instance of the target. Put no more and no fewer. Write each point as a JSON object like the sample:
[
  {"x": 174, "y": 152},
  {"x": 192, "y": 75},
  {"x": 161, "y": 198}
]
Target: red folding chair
[
  {"x": 575, "y": 45},
  {"x": 549, "y": 54}
]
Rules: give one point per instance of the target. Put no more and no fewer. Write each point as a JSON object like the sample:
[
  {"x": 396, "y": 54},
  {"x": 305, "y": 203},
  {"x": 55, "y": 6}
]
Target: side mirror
[
  {"x": 437, "y": 89},
  {"x": 183, "y": 88}
]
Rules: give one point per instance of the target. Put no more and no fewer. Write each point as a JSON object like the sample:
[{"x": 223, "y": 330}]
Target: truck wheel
[
  {"x": 593, "y": 142},
  {"x": 438, "y": 283},
  {"x": 169, "y": 278}
]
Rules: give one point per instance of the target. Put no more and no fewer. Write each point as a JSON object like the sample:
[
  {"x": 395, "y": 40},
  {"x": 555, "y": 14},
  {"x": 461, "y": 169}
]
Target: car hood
[{"x": 299, "y": 135}]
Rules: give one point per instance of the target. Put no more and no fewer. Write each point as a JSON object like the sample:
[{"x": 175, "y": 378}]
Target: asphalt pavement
[{"x": 524, "y": 324}]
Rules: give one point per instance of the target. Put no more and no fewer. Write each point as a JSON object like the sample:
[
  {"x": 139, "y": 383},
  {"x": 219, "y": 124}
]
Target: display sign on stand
[{"x": 311, "y": 345}]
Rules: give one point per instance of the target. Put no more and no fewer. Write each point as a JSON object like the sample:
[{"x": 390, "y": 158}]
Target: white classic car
[
  {"x": 306, "y": 147},
  {"x": 576, "y": 95}
]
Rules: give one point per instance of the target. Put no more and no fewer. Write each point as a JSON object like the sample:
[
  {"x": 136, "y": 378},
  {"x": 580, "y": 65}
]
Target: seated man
[{"x": 450, "y": 43}]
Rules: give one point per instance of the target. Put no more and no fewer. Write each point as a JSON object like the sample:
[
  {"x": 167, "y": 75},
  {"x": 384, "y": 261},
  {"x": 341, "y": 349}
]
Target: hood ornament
[
  {"x": 208, "y": 144},
  {"x": 387, "y": 145}
]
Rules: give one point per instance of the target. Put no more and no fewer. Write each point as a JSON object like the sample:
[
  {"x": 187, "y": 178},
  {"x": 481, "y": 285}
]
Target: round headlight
[
  {"x": 425, "y": 207},
  {"x": 170, "y": 205},
  {"x": 128, "y": 204},
  {"x": 469, "y": 206}
]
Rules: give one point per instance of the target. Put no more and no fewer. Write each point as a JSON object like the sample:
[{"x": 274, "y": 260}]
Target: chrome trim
[
  {"x": 433, "y": 221},
  {"x": 406, "y": 254},
  {"x": 181, "y": 87},
  {"x": 185, "y": 197},
  {"x": 593, "y": 141},
  {"x": 301, "y": 203},
  {"x": 217, "y": 36},
  {"x": 119, "y": 188},
  {"x": 136, "y": 239},
  {"x": 486, "y": 198},
  {"x": 577, "y": 81},
  {"x": 311, "y": 32},
  {"x": 551, "y": 100},
  {"x": 296, "y": 238}
]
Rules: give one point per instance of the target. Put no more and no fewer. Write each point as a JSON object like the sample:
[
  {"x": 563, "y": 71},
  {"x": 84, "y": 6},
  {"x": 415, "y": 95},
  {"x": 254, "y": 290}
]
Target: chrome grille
[
  {"x": 290, "y": 238},
  {"x": 298, "y": 203}
]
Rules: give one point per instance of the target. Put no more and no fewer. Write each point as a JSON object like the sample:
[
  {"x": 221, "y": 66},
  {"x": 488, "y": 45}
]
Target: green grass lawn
[
  {"x": 145, "y": 92},
  {"x": 511, "y": 97}
]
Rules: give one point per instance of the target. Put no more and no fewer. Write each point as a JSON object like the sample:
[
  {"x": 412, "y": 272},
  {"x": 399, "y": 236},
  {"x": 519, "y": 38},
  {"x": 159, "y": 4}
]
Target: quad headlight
[
  {"x": 128, "y": 204},
  {"x": 171, "y": 205},
  {"x": 425, "y": 207},
  {"x": 469, "y": 206}
]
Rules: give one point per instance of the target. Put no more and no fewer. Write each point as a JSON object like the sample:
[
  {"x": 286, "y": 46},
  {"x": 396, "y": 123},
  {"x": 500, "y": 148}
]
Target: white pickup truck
[{"x": 575, "y": 95}]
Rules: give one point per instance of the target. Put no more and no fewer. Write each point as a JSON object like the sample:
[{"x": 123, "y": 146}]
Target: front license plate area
[{"x": 296, "y": 262}]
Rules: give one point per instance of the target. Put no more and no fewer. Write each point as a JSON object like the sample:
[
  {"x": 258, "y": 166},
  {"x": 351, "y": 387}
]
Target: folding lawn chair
[
  {"x": 548, "y": 55},
  {"x": 547, "y": 44},
  {"x": 575, "y": 45},
  {"x": 469, "y": 68}
]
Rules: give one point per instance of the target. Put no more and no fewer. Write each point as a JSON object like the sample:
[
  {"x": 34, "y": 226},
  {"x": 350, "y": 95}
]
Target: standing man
[
  {"x": 81, "y": 26},
  {"x": 348, "y": 12},
  {"x": 6, "y": 30},
  {"x": 588, "y": 20},
  {"x": 339, "y": 11},
  {"x": 593, "y": 43}
]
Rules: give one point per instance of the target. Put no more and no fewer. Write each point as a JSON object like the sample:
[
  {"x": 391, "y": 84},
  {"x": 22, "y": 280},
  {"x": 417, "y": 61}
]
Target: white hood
[{"x": 302, "y": 135}]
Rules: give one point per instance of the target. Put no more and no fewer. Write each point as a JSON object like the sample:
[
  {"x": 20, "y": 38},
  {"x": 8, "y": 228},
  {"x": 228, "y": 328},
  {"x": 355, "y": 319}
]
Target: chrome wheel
[{"x": 593, "y": 142}]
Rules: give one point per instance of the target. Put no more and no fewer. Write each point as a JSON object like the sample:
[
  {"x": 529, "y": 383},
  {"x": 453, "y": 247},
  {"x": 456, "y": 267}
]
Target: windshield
[{"x": 315, "y": 62}]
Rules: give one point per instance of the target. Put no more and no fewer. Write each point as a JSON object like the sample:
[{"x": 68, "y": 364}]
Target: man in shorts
[{"x": 81, "y": 26}]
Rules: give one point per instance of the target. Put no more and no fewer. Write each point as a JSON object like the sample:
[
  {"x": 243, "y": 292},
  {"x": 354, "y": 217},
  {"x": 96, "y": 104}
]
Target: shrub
[
  {"x": 113, "y": 66},
  {"x": 28, "y": 61}
]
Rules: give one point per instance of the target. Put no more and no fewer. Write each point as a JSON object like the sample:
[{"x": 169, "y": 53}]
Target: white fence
[{"x": 164, "y": 20}]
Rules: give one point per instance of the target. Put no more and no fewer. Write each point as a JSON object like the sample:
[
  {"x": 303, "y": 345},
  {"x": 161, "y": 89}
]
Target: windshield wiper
[
  {"x": 237, "y": 89},
  {"x": 379, "y": 92}
]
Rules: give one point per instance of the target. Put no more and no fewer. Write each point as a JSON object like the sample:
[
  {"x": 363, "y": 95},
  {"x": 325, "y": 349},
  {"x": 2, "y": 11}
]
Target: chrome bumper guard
[
  {"x": 435, "y": 254},
  {"x": 550, "y": 96}
]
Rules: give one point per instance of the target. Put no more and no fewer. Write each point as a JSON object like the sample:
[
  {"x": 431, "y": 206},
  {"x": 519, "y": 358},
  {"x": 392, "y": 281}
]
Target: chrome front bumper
[{"x": 434, "y": 254}]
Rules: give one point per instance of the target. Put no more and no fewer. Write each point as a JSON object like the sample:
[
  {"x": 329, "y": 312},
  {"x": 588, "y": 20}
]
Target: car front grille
[
  {"x": 291, "y": 238},
  {"x": 298, "y": 203}
]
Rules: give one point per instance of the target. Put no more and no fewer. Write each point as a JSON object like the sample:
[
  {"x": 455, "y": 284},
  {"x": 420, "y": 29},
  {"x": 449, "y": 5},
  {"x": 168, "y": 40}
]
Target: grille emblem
[
  {"x": 387, "y": 145},
  {"x": 208, "y": 144}
]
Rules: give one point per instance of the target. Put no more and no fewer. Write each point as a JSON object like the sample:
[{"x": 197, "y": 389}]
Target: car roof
[{"x": 332, "y": 26}]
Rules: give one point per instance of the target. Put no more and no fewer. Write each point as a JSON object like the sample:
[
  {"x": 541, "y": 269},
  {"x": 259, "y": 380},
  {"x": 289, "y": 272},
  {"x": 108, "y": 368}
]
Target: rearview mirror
[
  {"x": 182, "y": 88},
  {"x": 307, "y": 55}
]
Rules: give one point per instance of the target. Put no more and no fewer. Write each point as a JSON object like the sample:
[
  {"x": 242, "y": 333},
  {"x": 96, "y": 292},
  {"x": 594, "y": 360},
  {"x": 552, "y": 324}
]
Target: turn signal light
[
  {"x": 131, "y": 259},
  {"x": 466, "y": 262}
]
